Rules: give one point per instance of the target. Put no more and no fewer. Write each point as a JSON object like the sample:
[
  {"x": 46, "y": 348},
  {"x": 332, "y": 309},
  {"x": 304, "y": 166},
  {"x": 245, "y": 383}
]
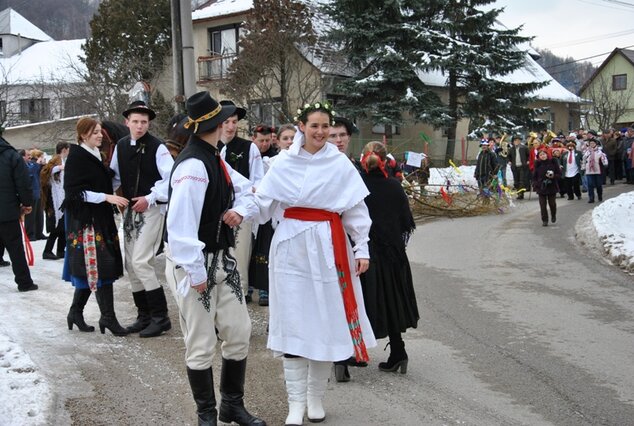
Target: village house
[
  {"x": 38, "y": 75},
  {"x": 612, "y": 89}
]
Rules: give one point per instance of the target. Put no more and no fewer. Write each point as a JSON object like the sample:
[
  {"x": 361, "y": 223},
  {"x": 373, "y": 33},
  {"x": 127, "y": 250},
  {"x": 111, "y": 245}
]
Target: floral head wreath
[{"x": 302, "y": 113}]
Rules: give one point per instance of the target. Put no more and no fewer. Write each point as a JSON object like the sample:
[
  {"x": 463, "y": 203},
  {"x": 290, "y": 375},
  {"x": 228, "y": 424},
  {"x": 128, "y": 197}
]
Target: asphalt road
[{"x": 520, "y": 325}]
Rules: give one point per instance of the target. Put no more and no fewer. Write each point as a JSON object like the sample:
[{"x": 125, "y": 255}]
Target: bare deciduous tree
[
  {"x": 271, "y": 70},
  {"x": 608, "y": 105}
]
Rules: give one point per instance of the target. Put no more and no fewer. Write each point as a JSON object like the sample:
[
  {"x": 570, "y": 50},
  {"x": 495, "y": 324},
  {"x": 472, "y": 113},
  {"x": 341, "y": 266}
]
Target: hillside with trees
[
  {"x": 61, "y": 19},
  {"x": 570, "y": 74}
]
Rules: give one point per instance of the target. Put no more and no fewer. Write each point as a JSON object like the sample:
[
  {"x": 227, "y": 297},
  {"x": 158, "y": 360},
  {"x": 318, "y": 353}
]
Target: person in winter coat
[
  {"x": 93, "y": 259},
  {"x": 388, "y": 292},
  {"x": 594, "y": 160},
  {"x": 486, "y": 165},
  {"x": 518, "y": 157},
  {"x": 610, "y": 149},
  {"x": 52, "y": 183},
  {"x": 16, "y": 199},
  {"x": 545, "y": 177},
  {"x": 572, "y": 171}
]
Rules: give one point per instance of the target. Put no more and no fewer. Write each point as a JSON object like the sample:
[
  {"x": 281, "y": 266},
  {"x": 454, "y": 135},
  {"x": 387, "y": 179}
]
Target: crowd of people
[
  {"x": 269, "y": 213},
  {"x": 232, "y": 215},
  {"x": 555, "y": 166}
]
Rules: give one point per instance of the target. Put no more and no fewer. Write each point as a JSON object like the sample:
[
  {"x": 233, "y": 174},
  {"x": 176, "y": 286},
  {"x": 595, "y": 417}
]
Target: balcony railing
[{"x": 214, "y": 67}]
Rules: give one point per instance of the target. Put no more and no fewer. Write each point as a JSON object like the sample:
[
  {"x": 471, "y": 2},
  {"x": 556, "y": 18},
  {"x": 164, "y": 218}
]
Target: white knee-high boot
[
  {"x": 318, "y": 375},
  {"x": 296, "y": 376}
]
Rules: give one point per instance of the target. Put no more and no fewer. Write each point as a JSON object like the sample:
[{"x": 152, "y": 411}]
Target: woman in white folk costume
[{"x": 317, "y": 314}]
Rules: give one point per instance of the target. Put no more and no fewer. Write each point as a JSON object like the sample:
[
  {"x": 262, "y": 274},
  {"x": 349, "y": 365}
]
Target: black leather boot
[
  {"x": 105, "y": 299},
  {"x": 397, "y": 359},
  {"x": 143, "y": 316},
  {"x": 202, "y": 384},
  {"x": 76, "y": 312},
  {"x": 159, "y": 320},
  {"x": 232, "y": 393}
]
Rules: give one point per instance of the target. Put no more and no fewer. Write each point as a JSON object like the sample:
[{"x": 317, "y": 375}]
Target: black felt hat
[
  {"x": 240, "y": 111},
  {"x": 205, "y": 113},
  {"x": 141, "y": 107}
]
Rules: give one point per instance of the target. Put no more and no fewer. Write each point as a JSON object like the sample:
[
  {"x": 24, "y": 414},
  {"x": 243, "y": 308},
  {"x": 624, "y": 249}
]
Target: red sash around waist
[{"x": 343, "y": 270}]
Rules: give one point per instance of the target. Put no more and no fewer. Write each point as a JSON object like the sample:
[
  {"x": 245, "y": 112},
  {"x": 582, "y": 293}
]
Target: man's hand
[
  {"x": 200, "y": 288},
  {"x": 232, "y": 218},
  {"x": 362, "y": 266},
  {"x": 139, "y": 204},
  {"x": 26, "y": 210}
]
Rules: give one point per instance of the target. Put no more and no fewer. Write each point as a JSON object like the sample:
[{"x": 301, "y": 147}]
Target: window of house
[
  {"x": 223, "y": 41},
  {"x": 223, "y": 48},
  {"x": 262, "y": 112},
  {"x": 35, "y": 109},
  {"x": 379, "y": 129},
  {"x": 619, "y": 82},
  {"x": 75, "y": 106}
]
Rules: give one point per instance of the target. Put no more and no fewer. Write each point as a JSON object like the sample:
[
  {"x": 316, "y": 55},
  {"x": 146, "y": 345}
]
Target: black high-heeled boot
[
  {"x": 106, "y": 306},
  {"x": 397, "y": 359},
  {"x": 76, "y": 312}
]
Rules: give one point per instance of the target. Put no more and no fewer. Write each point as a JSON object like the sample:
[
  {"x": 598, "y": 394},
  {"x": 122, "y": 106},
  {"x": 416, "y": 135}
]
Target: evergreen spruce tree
[
  {"x": 477, "y": 54},
  {"x": 130, "y": 40},
  {"x": 384, "y": 41}
]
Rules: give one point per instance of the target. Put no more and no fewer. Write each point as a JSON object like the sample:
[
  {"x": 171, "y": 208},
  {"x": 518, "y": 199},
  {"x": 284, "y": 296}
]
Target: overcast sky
[{"x": 576, "y": 28}]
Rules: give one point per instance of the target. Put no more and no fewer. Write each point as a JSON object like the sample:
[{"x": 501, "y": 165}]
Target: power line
[
  {"x": 590, "y": 39},
  {"x": 620, "y": 3},
  {"x": 583, "y": 59},
  {"x": 615, "y": 5}
]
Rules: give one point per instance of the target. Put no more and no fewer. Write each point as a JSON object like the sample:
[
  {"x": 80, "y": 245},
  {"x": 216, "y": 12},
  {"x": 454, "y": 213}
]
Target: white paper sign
[{"x": 415, "y": 159}]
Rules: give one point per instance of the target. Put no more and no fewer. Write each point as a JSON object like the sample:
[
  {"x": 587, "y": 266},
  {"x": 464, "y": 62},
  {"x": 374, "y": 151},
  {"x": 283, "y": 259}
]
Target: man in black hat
[
  {"x": 518, "y": 157},
  {"x": 244, "y": 157},
  {"x": 208, "y": 198},
  {"x": 142, "y": 165},
  {"x": 16, "y": 199}
]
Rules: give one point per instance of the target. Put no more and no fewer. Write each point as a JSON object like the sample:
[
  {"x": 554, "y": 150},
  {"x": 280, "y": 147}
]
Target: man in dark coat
[
  {"x": 486, "y": 165},
  {"x": 16, "y": 199},
  {"x": 518, "y": 157}
]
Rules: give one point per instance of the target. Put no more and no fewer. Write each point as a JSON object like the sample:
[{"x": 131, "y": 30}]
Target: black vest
[
  {"x": 138, "y": 160},
  {"x": 237, "y": 155},
  {"x": 218, "y": 198}
]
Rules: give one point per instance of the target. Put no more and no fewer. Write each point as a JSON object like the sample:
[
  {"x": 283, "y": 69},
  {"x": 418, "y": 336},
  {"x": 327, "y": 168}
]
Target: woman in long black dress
[
  {"x": 388, "y": 291},
  {"x": 93, "y": 255}
]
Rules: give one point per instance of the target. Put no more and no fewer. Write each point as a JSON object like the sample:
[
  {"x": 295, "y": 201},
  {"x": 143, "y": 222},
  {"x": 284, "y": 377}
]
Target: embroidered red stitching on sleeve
[{"x": 190, "y": 177}]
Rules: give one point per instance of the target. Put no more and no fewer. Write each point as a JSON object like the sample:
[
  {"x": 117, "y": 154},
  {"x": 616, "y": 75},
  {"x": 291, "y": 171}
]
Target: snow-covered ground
[
  {"x": 614, "y": 222},
  {"x": 27, "y": 398}
]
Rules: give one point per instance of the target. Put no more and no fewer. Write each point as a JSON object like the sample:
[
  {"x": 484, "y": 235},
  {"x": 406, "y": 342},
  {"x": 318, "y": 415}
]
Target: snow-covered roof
[
  {"x": 531, "y": 72},
  {"x": 222, "y": 8},
  {"x": 44, "y": 62},
  {"x": 11, "y": 22}
]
